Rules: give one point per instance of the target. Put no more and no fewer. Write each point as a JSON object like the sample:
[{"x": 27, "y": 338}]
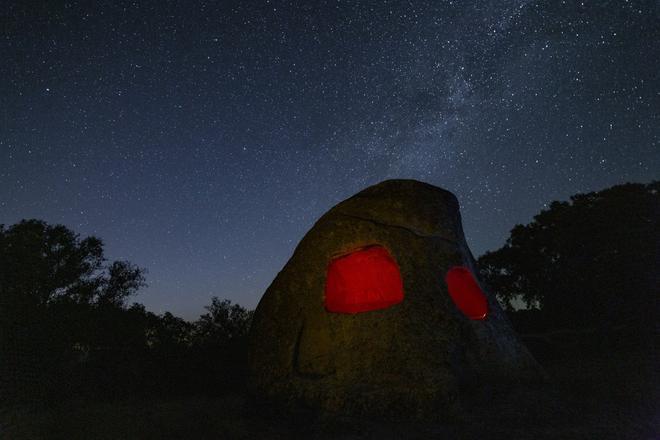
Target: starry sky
[{"x": 201, "y": 140}]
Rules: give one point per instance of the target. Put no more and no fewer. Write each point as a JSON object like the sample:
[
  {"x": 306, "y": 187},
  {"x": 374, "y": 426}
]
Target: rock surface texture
[{"x": 417, "y": 358}]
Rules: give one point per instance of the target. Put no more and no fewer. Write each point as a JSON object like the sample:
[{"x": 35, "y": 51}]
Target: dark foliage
[
  {"x": 590, "y": 263},
  {"x": 587, "y": 268},
  {"x": 66, "y": 328}
]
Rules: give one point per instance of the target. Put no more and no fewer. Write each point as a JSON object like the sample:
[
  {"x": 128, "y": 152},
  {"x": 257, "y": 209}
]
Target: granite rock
[{"x": 415, "y": 359}]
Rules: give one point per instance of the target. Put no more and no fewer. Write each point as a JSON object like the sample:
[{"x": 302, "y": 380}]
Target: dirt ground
[{"x": 607, "y": 396}]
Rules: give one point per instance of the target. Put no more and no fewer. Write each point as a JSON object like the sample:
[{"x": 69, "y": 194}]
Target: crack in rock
[{"x": 405, "y": 228}]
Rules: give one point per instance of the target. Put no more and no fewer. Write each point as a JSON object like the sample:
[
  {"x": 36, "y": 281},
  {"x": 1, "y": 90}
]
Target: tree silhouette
[
  {"x": 55, "y": 289},
  {"x": 41, "y": 265},
  {"x": 66, "y": 327},
  {"x": 589, "y": 262},
  {"x": 223, "y": 323},
  {"x": 220, "y": 344}
]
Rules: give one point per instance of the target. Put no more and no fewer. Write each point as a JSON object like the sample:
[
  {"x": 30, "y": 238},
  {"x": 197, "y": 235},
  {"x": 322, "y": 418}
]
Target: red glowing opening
[
  {"x": 364, "y": 280},
  {"x": 466, "y": 293}
]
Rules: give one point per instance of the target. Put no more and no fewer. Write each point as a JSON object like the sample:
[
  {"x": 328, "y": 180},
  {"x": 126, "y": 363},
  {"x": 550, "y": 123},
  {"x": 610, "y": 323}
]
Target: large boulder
[{"x": 408, "y": 346}]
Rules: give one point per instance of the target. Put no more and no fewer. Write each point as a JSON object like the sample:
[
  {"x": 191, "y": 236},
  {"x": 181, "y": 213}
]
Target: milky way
[{"x": 201, "y": 140}]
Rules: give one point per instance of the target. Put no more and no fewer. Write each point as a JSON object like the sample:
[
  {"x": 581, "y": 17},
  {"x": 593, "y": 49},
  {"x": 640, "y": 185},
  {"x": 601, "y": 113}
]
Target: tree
[
  {"x": 42, "y": 264},
  {"x": 589, "y": 262},
  {"x": 223, "y": 323},
  {"x": 220, "y": 345},
  {"x": 66, "y": 327},
  {"x": 54, "y": 287},
  {"x": 168, "y": 332}
]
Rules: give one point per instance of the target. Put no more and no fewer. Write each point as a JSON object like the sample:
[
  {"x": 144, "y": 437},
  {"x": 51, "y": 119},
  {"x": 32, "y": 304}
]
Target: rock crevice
[{"x": 412, "y": 230}]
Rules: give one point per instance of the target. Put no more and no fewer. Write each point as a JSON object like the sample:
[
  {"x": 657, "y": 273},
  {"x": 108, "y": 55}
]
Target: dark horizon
[
  {"x": 192, "y": 316},
  {"x": 201, "y": 142}
]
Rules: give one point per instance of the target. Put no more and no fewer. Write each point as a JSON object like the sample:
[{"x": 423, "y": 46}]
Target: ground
[{"x": 605, "y": 396}]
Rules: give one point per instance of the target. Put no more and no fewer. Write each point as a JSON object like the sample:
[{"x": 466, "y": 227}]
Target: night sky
[{"x": 201, "y": 140}]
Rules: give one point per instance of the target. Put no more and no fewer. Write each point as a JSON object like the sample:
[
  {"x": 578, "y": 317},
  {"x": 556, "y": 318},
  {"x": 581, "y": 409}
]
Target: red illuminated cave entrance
[
  {"x": 466, "y": 293},
  {"x": 366, "y": 279}
]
